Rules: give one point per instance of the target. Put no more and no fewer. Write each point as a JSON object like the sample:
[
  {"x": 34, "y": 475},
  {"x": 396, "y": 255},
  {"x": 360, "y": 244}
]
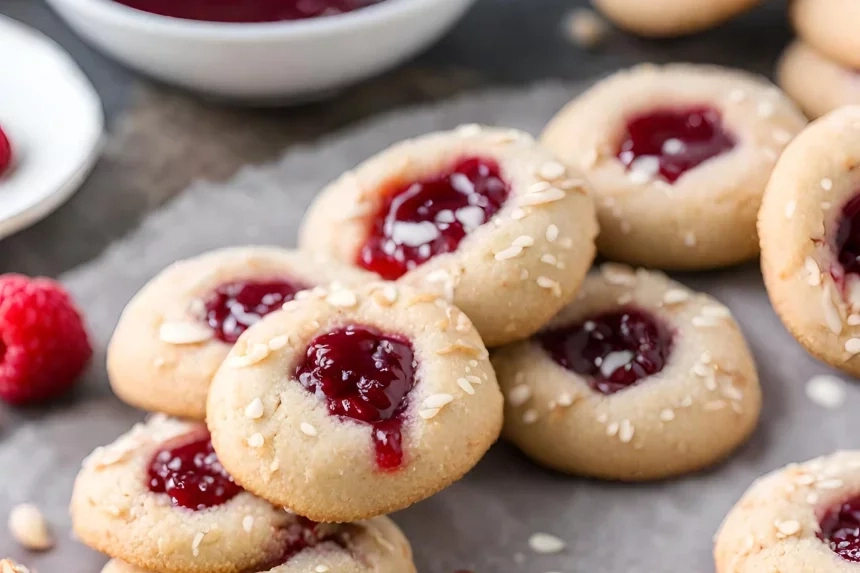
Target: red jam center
[
  {"x": 670, "y": 142},
  {"x": 5, "y": 153},
  {"x": 305, "y": 534},
  {"x": 613, "y": 350},
  {"x": 846, "y": 243},
  {"x": 364, "y": 375},
  {"x": 233, "y": 307},
  {"x": 247, "y": 11},
  {"x": 840, "y": 527},
  {"x": 188, "y": 470},
  {"x": 425, "y": 218}
]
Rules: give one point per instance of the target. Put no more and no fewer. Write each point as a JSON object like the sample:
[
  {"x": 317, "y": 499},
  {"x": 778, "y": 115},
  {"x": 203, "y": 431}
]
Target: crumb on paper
[{"x": 585, "y": 28}]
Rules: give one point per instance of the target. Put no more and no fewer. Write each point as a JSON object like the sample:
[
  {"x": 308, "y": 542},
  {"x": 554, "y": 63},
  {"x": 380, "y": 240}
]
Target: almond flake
[
  {"x": 389, "y": 293},
  {"x": 790, "y": 207},
  {"x": 550, "y": 284},
  {"x": 322, "y": 569},
  {"x": 458, "y": 346},
  {"x": 715, "y": 311},
  {"x": 255, "y": 354},
  {"x": 184, "y": 333},
  {"x": 551, "y": 233},
  {"x": 667, "y": 415},
  {"x": 826, "y": 391},
  {"x": 29, "y": 528},
  {"x": 545, "y": 543},
  {"x": 248, "y": 523},
  {"x": 342, "y": 298},
  {"x": 852, "y": 346},
  {"x": 552, "y": 170},
  {"x": 812, "y": 498},
  {"x": 256, "y": 440},
  {"x": 814, "y": 278},
  {"x": 715, "y": 405},
  {"x": 254, "y": 410},
  {"x": 548, "y": 259},
  {"x": 542, "y": 198},
  {"x": 519, "y": 395},
  {"x": 428, "y": 413},
  {"x": 509, "y": 253},
  {"x": 618, "y": 274},
  {"x": 625, "y": 431},
  {"x": 195, "y": 543},
  {"x": 308, "y": 429},
  {"x": 279, "y": 342},
  {"x": 787, "y": 528},
  {"x": 466, "y": 386},
  {"x": 523, "y": 241},
  {"x": 676, "y": 296},
  {"x": 565, "y": 400},
  {"x": 530, "y": 416},
  {"x": 474, "y": 379},
  {"x": 831, "y": 314},
  {"x": 437, "y": 400},
  {"x": 705, "y": 321},
  {"x": 612, "y": 429}
]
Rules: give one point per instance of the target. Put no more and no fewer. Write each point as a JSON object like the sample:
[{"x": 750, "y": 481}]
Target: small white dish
[
  {"x": 293, "y": 60},
  {"x": 54, "y": 121}
]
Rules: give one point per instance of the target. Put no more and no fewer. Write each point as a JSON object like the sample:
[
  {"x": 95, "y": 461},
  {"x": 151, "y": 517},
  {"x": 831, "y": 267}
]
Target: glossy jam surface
[
  {"x": 304, "y": 534},
  {"x": 233, "y": 307},
  {"x": 669, "y": 142},
  {"x": 840, "y": 528},
  {"x": 247, "y": 11},
  {"x": 614, "y": 350},
  {"x": 5, "y": 153},
  {"x": 421, "y": 219},
  {"x": 365, "y": 375},
  {"x": 187, "y": 469},
  {"x": 846, "y": 242}
]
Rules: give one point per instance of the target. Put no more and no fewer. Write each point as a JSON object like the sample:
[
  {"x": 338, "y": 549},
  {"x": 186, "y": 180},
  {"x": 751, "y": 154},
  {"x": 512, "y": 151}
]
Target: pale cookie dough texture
[
  {"x": 511, "y": 274},
  {"x": 818, "y": 85},
  {"x": 296, "y": 454},
  {"x": 829, "y": 26},
  {"x": 705, "y": 219},
  {"x": 702, "y": 405},
  {"x": 798, "y": 223},
  {"x": 163, "y": 354},
  {"x": 775, "y": 524},
  {"x": 668, "y": 18}
]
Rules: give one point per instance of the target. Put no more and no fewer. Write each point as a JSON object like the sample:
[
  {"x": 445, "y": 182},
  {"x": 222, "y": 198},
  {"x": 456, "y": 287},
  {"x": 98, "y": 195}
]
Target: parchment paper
[{"x": 483, "y": 522}]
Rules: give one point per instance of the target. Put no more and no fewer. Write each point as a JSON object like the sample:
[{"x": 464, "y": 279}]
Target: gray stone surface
[{"x": 484, "y": 521}]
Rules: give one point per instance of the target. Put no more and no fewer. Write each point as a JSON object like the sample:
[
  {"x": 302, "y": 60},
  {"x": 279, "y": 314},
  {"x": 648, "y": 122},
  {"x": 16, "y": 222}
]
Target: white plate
[{"x": 54, "y": 120}]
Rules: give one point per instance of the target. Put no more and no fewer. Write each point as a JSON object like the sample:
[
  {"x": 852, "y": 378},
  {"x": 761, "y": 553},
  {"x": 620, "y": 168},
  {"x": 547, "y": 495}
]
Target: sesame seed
[
  {"x": 826, "y": 184},
  {"x": 790, "y": 527},
  {"x": 256, "y": 440},
  {"x": 322, "y": 569},
  {"x": 814, "y": 271},
  {"x": 690, "y": 239},
  {"x": 519, "y": 395},
  {"x": 675, "y": 296},
  {"x": 195, "y": 543},
  {"x": 625, "y": 431},
  {"x": 565, "y": 400},
  {"x": 545, "y": 543},
  {"x": 704, "y": 321},
  {"x": 549, "y": 196},
  {"x": 518, "y": 214},
  {"x": 612, "y": 429},
  {"x": 248, "y": 523},
  {"x": 790, "y": 208},
  {"x": 552, "y": 170},
  {"x": 618, "y": 274},
  {"x": 829, "y": 484},
  {"x": 826, "y": 391},
  {"x": 812, "y": 498},
  {"x": 342, "y": 298},
  {"x": 184, "y": 333},
  {"x": 254, "y": 410},
  {"x": 530, "y": 416},
  {"x": 551, "y": 233},
  {"x": 274, "y": 466},
  {"x": 308, "y": 429},
  {"x": 716, "y": 311},
  {"x": 667, "y": 415},
  {"x": 765, "y": 109},
  {"x": 852, "y": 346},
  {"x": 469, "y": 130},
  {"x": 548, "y": 259},
  {"x": 715, "y": 405},
  {"x": 523, "y": 241},
  {"x": 437, "y": 400},
  {"x": 737, "y": 96},
  {"x": 428, "y": 413},
  {"x": 733, "y": 393},
  {"x": 509, "y": 253},
  {"x": 466, "y": 386},
  {"x": 389, "y": 292},
  {"x": 548, "y": 283}
]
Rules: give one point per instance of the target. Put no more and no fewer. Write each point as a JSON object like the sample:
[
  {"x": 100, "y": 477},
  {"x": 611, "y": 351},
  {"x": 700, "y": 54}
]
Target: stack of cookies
[
  {"x": 819, "y": 69},
  {"x": 441, "y": 296}
]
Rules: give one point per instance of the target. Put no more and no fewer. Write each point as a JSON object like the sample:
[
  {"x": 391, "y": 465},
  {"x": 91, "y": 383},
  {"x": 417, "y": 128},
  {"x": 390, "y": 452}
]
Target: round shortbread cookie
[
  {"x": 158, "y": 498},
  {"x": 638, "y": 379},
  {"x": 484, "y": 216},
  {"x": 350, "y": 404},
  {"x": 810, "y": 228},
  {"x": 664, "y": 202},
  {"x": 174, "y": 334},
  {"x": 829, "y": 26},
  {"x": 802, "y": 518},
  {"x": 669, "y": 18},
  {"x": 817, "y": 84}
]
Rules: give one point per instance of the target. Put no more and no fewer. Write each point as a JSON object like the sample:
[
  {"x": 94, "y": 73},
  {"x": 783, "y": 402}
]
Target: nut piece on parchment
[
  {"x": 9, "y": 566},
  {"x": 29, "y": 528}
]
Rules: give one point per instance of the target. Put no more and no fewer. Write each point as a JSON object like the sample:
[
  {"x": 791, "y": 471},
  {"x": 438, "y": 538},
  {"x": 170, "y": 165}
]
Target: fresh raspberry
[
  {"x": 5, "y": 152},
  {"x": 43, "y": 342}
]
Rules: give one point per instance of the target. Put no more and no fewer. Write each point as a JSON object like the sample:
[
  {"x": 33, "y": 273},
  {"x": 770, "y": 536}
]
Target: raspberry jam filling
[
  {"x": 187, "y": 469},
  {"x": 233, "y": 307},
  {"x": 421, "y": 219},
  {"x": 5, "y": 153},
  {"x": 846, "y": 242},
  {"x": 613, "y": 350},
  {"x": 247, "y": 11},
  {"x": 669, "y": 142},
  {"x": 364, "y": 375},
  {"x": 840, "y": 528},
  {"x": 305, "y": 534}
]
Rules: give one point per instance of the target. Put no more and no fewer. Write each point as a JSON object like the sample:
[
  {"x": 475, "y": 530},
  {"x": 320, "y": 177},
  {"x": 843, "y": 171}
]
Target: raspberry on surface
[{"x": 44, "y": 345}]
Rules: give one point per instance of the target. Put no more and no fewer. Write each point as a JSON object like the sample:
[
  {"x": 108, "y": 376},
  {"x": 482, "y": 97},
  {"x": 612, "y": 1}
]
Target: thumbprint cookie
[
  {"x": 159, "y": 499},
  {"x": 830, "y": 27},
  {"x": 483, "y": 216},
  {"x": 174, "y": 334},
  {"x": 817, "y": 84},
  {"x": 355, "y": 403},
  {"x": 678, "y": 157},
  {"x": 668, "y": 18},
  {"x": 803, "y": 518},
  {"x": 810, "y": 239},
  {"x": 638, "y": 379}
]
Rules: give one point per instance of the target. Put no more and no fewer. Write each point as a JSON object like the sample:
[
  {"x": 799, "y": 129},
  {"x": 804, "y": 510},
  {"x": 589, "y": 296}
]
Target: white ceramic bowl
[{"x": 282, "y": 60}]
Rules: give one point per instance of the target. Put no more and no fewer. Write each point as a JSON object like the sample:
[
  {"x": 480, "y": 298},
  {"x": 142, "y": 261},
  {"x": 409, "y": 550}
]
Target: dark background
[{"x": 499, "y": 42}]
